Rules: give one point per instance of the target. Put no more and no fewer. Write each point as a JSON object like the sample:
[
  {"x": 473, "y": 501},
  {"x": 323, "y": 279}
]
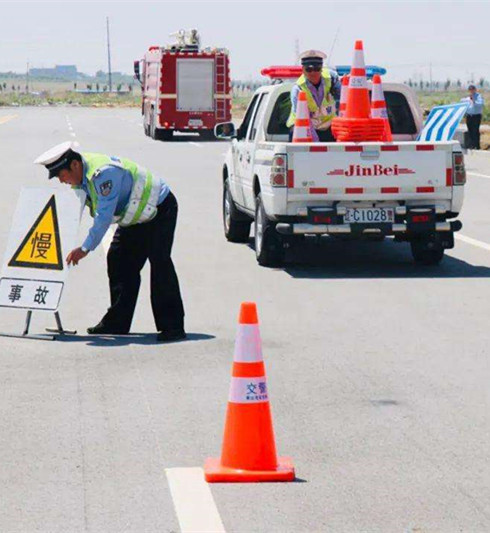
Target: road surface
[{"x": 378, "y": 370}]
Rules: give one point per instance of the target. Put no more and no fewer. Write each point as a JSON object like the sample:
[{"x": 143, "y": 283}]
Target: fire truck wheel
[
  {"x": 269, "y": 247},
  {"x": 235, "y": 224},
  {"x": 427, "y": 251}
]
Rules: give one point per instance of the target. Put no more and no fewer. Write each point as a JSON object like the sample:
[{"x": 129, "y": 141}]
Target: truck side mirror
[
  {"x": 225, "y": 130},
  {"x": 136, "y": 67}
]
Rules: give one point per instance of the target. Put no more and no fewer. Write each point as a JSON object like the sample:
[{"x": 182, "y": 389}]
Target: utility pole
[
  {"x": 296, "y": 51},
  {"x": 27, "y": 78},
  {"x": 109, "y": 56},
  {"x": 430, "y": 77}
]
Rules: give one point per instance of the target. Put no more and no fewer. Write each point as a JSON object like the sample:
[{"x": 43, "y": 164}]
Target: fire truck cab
[{"x": 184, "y": 87}]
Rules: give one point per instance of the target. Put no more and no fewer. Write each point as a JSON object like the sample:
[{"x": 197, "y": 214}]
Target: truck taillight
[
  {"x": 459, "y": 172},
  {"x": 279, "y": 170}
]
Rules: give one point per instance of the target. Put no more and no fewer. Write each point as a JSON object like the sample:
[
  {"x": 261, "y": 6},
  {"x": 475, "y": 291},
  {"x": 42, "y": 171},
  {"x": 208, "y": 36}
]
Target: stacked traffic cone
[
  {"x": 378, "y": 107},
  {"x": 249, "y": 450},
  {"x": 302, "y": 124},
  {"x": 357, "y": 124},
  {"x": 343, "y": 96}
]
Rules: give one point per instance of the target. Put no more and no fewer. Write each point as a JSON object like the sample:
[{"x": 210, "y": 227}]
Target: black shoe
[
  {"x": 101, "y": 329},
  {"x": 171, "y": 335}
]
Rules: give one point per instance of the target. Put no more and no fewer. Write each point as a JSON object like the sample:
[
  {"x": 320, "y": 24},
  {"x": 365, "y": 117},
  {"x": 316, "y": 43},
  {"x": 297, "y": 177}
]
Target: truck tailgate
[{"x": 369, "y": 171}]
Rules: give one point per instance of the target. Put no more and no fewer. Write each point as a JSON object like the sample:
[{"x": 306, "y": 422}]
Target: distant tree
[
  {"x": 421, "y": 85},
  {"x": 97, "y": 86},
  {"x": 104, "y": 88},
  {"x": 447, "y": 84},
  {"x": 481, "y": 83},
  {"x": 13, "y": 87},
  {"x": 119, "y": 87},
  {"x": 18, "y": 88},
  {"x": 410, "y": 82},
  {"x": 1, "y": 88},
  {"x": 89, "y": 86},
  {"x": 100, "y": 74},
  {"x": 427, "y": 84},
  {"x": 75, "y": 85},
  {"x": 130, "y": 87},
  {"x": 458, "y": 83},
  {"x": 436, "y": 84},
  {"x": 4, "y": 86}
]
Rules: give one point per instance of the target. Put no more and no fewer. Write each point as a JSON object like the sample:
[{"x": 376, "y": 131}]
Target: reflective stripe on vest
[
  {"x": 320, "y": 116},
  {"x": 143, "y": 200}
]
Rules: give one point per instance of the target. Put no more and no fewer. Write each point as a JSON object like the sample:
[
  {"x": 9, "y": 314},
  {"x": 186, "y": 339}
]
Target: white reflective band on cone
[
  {"x": 248, "y": 390},
  {"x": 358, "y": 61},
  {"x": 358, "y": 82},
  {"x": 248, "y": 346},
  {"x": 379, "y": 112}
]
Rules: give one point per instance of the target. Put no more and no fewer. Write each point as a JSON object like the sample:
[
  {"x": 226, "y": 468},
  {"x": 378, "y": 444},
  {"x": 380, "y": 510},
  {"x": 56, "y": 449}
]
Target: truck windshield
[{"x": 401, "y": 119}]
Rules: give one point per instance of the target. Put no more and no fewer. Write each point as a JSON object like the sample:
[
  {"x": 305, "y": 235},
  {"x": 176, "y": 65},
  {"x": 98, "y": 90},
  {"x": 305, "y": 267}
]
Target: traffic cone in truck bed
[
  {"x": 343, "y": 96},
  {"x": 378, "y": 106},
  {"x": 357, "y": 125},
  {"x": 249, "y": 449},
  {"x": 302, "y": 124}
]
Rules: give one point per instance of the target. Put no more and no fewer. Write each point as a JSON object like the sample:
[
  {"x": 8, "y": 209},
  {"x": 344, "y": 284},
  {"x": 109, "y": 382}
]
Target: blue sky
[{"x": 404, "y": 36}]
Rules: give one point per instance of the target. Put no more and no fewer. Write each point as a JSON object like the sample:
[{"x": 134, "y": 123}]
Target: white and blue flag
[{"x": 442, "y": 122}]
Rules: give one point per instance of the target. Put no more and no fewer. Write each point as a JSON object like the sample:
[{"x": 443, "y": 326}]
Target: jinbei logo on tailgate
[{"x": 371, "y": 170}]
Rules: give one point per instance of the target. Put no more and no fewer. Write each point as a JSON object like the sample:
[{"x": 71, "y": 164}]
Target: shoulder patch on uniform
[{"x": 106, "y": 188}]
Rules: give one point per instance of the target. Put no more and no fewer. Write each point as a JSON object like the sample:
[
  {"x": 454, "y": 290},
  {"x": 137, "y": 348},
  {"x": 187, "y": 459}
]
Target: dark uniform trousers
[
  {"x": 473, "y": 123},
  {"x": 129, "y": 250}
]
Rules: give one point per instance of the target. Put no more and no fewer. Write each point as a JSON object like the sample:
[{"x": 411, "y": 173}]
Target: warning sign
[
  {"x": 44, "y": 229},
  {"x": 41, "y": 247}
]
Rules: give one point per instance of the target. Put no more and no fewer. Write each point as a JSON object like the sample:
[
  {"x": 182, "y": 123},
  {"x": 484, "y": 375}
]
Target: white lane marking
[
  {"x": 478, "y": 175},
  {"x": 195, "y": 144},
  {"x": 474, "y": 242},
  {"x": 107, "y": 239},
  {"x": 193, "y": 501}
]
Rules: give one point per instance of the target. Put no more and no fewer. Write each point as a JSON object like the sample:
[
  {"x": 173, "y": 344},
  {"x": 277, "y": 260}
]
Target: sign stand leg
[
  {"x": 25, "y": 334},
  {"x": 59, "y": 330}
]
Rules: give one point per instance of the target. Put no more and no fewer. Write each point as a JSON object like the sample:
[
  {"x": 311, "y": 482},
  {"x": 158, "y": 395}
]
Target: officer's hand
[{"x": 75, "y": 255}]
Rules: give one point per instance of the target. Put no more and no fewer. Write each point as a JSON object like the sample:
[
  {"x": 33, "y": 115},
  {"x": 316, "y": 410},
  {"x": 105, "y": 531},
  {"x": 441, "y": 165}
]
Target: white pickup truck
[{"x": 406, "y": 189}]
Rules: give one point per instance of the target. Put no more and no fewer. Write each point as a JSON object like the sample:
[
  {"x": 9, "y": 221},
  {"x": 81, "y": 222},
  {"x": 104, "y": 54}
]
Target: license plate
[
  {"x": 195, "y": 122},
  {"x": 374, "y": 215}
]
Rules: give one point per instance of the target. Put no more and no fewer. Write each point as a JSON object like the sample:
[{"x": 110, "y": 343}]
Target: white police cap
[
  {"x": 312, "y": 56},
  {"x": 56, "y": 158}
]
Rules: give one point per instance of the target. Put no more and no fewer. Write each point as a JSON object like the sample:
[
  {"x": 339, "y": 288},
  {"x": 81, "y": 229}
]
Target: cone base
[{"x": 215, "y": 472}]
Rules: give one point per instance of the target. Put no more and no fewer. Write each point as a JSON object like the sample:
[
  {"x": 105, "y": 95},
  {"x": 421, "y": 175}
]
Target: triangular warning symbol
[{"x": 41, "y": 247}]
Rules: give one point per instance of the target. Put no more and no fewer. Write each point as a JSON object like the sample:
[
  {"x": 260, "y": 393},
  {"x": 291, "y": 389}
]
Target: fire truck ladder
[{"x": 220, "y": 92}]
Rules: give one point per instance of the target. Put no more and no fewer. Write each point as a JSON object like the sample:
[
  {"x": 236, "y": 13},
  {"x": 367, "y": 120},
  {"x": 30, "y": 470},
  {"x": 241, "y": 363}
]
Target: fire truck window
[
  {"x": 280, "y": 114},
  {"x": 242, "y": 130},
  {"x": 256, "y": 120}
]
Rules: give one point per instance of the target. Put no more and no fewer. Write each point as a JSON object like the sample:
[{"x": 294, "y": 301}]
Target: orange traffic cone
[
  {"x": 378, "y": 106},
  {"x": 249, "y": 450},
  {"x": 358, "y": 96},
  {"x": 343, "y": 95},
  {"x": 302, "y": 124}
]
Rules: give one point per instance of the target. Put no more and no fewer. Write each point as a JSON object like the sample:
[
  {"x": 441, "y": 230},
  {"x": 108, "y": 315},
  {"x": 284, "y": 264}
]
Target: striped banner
[{"x": 442, "y": 122}]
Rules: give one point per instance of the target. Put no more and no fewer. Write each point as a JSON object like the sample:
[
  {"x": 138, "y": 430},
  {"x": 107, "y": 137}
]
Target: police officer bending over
[
  {"x": 322, "y": 87},
  {"x": 119, "y": 190}
]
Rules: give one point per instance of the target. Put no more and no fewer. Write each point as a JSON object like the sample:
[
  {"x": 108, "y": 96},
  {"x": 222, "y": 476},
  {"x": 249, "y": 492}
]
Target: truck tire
[
  {"x": 269, "y": 248},
  {"x": 235, "y": 224},
  {"x": 427, "y": 251},
  {"x": 156, "y": 133}
]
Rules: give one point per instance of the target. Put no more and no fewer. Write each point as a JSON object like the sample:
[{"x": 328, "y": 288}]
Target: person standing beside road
[
  {"x": 322, "y": 87},
  {"x": 474, "y": 116},
  {"x": 119, "y": 190}
]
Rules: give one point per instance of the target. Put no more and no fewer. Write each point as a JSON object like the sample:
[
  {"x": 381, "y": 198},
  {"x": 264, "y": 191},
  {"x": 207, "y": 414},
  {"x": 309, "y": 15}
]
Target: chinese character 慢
[
  {"x": 251, "y": 388},
  {"x": 15, "y": 291},
  {"x": 41, "y": 243},
  {"x": 40, "y": 296},
  {"x": 263, "y": 387}
]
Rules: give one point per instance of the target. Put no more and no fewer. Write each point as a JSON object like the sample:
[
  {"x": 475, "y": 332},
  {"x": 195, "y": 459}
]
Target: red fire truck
[{"x": 184, "y": 88}]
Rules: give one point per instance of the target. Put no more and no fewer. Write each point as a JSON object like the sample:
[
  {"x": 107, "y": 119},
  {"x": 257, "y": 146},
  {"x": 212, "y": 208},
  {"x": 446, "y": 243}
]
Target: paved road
[{"x": 378, "y": 371}]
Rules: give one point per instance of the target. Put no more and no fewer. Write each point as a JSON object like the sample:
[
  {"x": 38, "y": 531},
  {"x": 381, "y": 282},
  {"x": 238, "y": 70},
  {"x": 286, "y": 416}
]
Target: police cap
[
  {"x": 57, "y": 158},
  {"x": 312, "y": 57}
]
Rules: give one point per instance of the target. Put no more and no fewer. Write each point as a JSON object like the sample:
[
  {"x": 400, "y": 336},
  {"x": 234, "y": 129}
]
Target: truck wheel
[
  {"x": 237, "y": 228},
  {"x": 427, "y": 252},
  {"x": 269, "y": 248}
]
